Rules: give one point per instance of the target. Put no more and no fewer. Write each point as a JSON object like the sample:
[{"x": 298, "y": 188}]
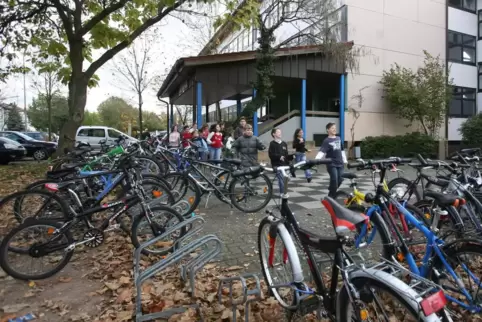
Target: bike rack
[
  {"x": 254, "y": 295},
  {"x": 210, "y": 247}
]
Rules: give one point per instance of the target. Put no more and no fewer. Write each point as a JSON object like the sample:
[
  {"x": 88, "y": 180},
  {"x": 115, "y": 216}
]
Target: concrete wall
[
  {"x": 314, "y": 125},
  {"x": 398, "y": 32}
]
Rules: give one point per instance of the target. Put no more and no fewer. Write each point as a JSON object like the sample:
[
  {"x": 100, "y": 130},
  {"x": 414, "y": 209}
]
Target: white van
[{"x": 94, "y": 134}]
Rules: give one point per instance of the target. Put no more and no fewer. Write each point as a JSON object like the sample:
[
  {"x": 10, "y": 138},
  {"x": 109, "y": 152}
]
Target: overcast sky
[{"x": 175, "y": 40}]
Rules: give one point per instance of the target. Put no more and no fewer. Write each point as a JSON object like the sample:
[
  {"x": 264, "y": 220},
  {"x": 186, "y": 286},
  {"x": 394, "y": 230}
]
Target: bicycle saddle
[
  {"x": 233, "y": 161},
  {"x": 344, "y": 219},
  {"x": 248, "y": 171},
  {"x": 441, "y": 198},
  {"x": 349, "y": 175},
  {"x": 58, "y": 174}
]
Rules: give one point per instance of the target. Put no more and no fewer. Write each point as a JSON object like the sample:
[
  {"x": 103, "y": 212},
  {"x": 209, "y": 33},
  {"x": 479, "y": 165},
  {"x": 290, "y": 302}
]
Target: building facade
[{"x": 392, "y": 31}]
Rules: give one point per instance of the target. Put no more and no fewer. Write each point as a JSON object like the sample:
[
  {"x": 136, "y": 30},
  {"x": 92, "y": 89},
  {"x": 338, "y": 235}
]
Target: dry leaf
[
  {"x": 124, "y": 296},
  {"x": 112, "y": 285},
  {"x": 65, "y": 279},
  {"x": 233, "y": 268}
]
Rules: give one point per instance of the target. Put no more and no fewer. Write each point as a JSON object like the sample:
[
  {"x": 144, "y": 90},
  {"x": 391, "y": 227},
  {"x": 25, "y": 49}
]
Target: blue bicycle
[{"x": 441, "y": 261}]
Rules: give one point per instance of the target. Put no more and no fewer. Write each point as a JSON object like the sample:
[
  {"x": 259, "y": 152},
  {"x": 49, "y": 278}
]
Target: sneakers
[{"x": 308, "y": 179}]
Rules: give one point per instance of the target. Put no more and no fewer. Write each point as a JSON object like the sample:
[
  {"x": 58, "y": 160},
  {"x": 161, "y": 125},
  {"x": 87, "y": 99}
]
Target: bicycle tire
[
  {"x": 293, "y": 259},
  {"x": 344, "y": 303},
  {"x": 186, "y": 183},
  {"x": 404, "y": 181},
  {"x": 235, "y": 202},
  {"x": 138, "y": 220},
  {"x": 19, "y": 199},
  {"x": 152, "y": 159},
  {"x": 4, "y": 247}
]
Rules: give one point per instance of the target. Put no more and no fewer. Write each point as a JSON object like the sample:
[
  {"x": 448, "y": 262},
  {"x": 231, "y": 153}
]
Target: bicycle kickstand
[{"x": 207, "y": 199}]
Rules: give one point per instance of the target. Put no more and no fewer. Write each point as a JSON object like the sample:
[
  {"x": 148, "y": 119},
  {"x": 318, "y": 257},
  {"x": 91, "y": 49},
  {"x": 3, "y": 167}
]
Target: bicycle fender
[{"x": 397, "y": 286}]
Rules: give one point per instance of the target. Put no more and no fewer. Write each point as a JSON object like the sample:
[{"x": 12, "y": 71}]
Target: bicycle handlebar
[
  {"x": 298, "y": 166},
  {"x": 360, "y": 163}
]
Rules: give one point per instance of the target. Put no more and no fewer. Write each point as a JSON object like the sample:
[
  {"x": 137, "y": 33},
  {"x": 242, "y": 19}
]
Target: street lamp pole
[{"x": 24, "y": 91}]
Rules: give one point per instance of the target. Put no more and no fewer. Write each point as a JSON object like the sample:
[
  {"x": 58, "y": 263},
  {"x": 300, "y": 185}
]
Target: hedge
[{"x": 408, "y": 145}]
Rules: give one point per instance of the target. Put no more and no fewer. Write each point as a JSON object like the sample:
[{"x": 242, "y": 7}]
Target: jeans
[
  {"x": 300, "y": 156},
  {"x": 203, "y": 155},
  {"x": 281, "y": 183},
  {"x": 215, "y": 153},
  {"x": 335, "y": 179}
]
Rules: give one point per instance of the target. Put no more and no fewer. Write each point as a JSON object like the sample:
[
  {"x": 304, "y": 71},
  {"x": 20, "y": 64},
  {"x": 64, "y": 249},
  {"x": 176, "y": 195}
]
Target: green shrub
[
  {"x": 471, "y": 131},
  {"x": 408, "y": 145}
]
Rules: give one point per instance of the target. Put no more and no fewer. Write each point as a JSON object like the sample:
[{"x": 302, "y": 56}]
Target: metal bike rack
[
  {"x": 249, "y": 296},
  {"x": 210, "y": 247}
]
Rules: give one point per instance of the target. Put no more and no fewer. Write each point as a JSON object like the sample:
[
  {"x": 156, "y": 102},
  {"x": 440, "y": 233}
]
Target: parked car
[
  {"x": 10, "y": 150},
  {"x": 40, "y": 136},
  {"x": 94, "y": 134},
  {"x": 39, "y": 150}
]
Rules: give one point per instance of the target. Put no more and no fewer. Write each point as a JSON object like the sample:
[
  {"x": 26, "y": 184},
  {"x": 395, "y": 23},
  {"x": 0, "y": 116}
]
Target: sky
[{"x": 173, "y": 39}]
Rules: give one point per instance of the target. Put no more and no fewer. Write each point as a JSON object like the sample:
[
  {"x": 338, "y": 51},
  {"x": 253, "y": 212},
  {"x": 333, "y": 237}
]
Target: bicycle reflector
[
  {"x": 434, "y": 303},
  {"x": 52, "y": 187}
]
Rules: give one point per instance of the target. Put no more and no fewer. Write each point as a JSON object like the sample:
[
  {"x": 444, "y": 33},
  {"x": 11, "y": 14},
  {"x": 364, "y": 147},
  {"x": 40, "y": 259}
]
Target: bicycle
[
  {"x": 438, "y": 256},
  {"x": 94, "y": 236},
  {"x": 358, "y": 283}
]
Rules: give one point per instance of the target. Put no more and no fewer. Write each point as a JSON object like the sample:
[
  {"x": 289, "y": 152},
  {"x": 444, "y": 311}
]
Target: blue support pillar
[
  {"x": 238, "y": 107},
  {"x": 255, "y": 117},
  {"x": 303, "y": 107},
  {"x": 342, "y": 108},
  {"x": 199, "y": 105}
]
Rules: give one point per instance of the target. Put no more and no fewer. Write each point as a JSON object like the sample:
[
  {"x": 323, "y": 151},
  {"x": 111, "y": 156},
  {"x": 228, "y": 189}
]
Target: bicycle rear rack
[
  {"x": 249, "y": 296},
  {"x": 209, "y": 245}
]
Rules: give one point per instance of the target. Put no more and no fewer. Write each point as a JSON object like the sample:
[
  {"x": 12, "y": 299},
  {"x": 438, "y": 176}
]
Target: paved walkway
[{"x": 239, "y": 231}]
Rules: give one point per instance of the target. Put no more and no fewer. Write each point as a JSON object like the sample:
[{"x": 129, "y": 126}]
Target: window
[
  {"x": 114, "y": 134},
  {"x": 96, "y": 133},
  {"x": 463, "y": 102},
  {"x": 467, "y": 5},
  {"x": 480, "y": 77},
  {"x": 480, "y": 24},
  {"x": 461, "y": 48}
]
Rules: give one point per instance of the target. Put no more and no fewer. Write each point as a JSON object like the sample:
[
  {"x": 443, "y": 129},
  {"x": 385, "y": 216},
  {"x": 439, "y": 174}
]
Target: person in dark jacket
[
  {"x": 240, "y": 129},
  {"x": 300, "y": 154},
  {"x": 278, "y": 154},
  {"x": 247, "y": 147},
  {"x": 332, "y": 148}
]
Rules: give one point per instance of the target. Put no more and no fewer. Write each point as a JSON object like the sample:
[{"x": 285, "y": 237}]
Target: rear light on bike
[
  {"x": 50, "y": 231},
  {"x": 462, "y": 201},
  {"x": 191, "y": 200},
  {"x": 156, "y": 193},
  {"x": 456, "y": 203},
  {"x": 434, "y": 303},
  {"x": 52, "y": 187}
]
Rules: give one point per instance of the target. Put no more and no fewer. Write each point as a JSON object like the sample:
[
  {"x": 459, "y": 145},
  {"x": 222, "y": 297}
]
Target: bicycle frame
[{"x": 432, "y": 246}]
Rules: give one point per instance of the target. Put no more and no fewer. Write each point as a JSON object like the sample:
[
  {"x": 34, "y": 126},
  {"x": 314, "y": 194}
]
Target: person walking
[
  {"x": 247, "y": 147},
  {"x": 278, "y": 155},
  {"x": 332, "y": 148},
  {"x": 300, "y": 150},
  {"x": 215, "y": 141},
  {"x": 240, "y": 129}
]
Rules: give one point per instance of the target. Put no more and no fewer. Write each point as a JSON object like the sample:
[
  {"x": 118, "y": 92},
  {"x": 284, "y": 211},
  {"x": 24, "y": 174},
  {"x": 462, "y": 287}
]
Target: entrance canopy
[{"x": 229, "y": 76}]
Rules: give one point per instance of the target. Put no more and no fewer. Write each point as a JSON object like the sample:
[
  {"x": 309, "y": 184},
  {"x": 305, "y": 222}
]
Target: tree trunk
[
  {"x": 49, "y": 107},
  {"x": 139, "y": 96},
  {"x": 77, "y": 102}
]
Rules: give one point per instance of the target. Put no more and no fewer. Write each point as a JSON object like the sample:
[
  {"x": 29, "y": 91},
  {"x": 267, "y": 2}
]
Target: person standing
[
  {"x": 186, "y": 136},
  {"x": 174, "y": 138},
  {"x": 215, "y": 141},
  {"x": 247, "y": 147},
  {"x": 332, "y": 148},
  {"x": 240, "y": 129},
  {"x": 200, "y": 143},
  {"x": 300, "y": 148},
  {"x": 204, "y": 131},
  {"x": 278, "y": 155}
]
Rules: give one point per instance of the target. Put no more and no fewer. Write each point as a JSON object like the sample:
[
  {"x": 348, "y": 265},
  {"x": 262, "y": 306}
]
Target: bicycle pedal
[{"x": 309, "y": 304}]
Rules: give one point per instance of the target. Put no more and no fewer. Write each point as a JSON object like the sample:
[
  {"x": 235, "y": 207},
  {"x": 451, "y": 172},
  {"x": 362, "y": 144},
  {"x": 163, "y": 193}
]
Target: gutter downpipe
[{"x": 168, "y": 118}]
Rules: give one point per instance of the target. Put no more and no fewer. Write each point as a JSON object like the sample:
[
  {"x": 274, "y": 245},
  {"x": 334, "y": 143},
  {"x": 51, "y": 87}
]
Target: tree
[
  {"x": 471, "y": 130},
  {"x": 69, "y": 31},
  {"x": 47, "y": 84},
  {"x": 153, "y": 122},
  {"x": 14, "y": 119},
  {"x": 355, "y": 112},
  {"x": 92, "y": 118},
  {"x": 49, "y": 118},
  {"x": 117, "y": 113},
  {"x": 183, "y": 112},
  {"x": 135, "y": 67},
  {"x": 313, "y": 18},
  {"x": 421, "y": 95}
]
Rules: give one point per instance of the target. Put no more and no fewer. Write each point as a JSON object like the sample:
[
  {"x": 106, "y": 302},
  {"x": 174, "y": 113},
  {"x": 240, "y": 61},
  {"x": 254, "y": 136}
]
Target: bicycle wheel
[
  {"x": 162, "y": 217},
  {"x": 250, "y": 190},
  {"x": 34, "y": 251},
  {"x": 37, "y": 203},
  {"x": 406, "y": 186},
  {"x": 184, "y": 188},
  {"x": 376, "y": 292},
  {"x": 150, "y": 164},
  {"x": 286, "y": 257}
]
